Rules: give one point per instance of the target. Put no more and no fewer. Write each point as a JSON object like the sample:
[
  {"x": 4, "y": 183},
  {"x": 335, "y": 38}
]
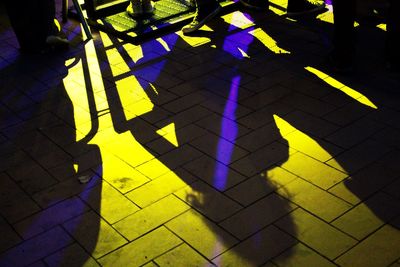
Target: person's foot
[
  {"x": 135, "y": 9},
  {"x": 57, "y": 41},
  {"x": 256, "y": 4},
  {"x": 305, "y": 7},
  {"x": 203, "y": 15}
]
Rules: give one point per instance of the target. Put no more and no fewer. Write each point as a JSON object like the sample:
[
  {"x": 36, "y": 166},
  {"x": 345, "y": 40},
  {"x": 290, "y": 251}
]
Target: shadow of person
[
  {"x": 41, "y": 158},
  {"x": 233, "y": 206},
  {"x": 351, "y": 118}
]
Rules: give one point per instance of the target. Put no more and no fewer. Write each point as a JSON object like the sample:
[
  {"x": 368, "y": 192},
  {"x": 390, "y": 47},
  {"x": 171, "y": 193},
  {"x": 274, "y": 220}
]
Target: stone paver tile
[
  {"x": 300, "y": 255},
  {"x": 262, "y": 159},
  {"x": 265, "y": 82},
  {"x": 257, "y": 249},
  {"x": 15, "y": 204},
  {"x": 368, "y": 216},
  {"x": 50, "y": 217},
  {"x": 382, "y": 248},
  {"x": 264, "y": 115},
  {"x": 203, "y": 235},
  {"x": 179, "y": 156},
  {"x": 359, "y": 156},
  {"x": 393, "y": 189},
  {"x": 216, "y": 174},
  {"x": 219, "y": 105},
  {"x": 308, "y": 104},
  {"x": 313, "y": 170},
  {"x": 9, "y": 236},
  {"x": 311, "y": 146},
  {"x": 36, "y": 248},
  {"x": 314, "y": 199},
  {"x": 387, "y": 115},
  {"x": 64, "y": 190},
  {"x": 185, "y": 102},
  {"x": 199, "y": 70},
  {"x": 266, "y": 96},
  {"x": 109, "y": 203},
  {"x": 143, "y": 249},
  {"x": 153, "y": 169},
  {"x": 183, "y": 135},
  {"x": 388, "y": 136},
  {"x": 31, "y": 177},
  {"x": 185, "y": 118},
  {"x": 354, "y": 133},
  {"x": 261, "y": 185},
  {"x": 73, "y": 255},
  {"x": 125, "y": 147},
  {"x": 208, "y": 201},
  {"x": 348, "y": 113},
  {"x": 218, "y": 148},
  {"x": 309, "y": 87},
  {"x": 182, "y": 256},
  {"x": 364, "y": 183},
  {"x": 316, "y": 234},
  {"x": 310, "y": 124},
  {"x": 257, "y": 216},
  {"x": 261, "y": 137},
  {"x": 38, "y": 264},
  {"x": 161, "y": 187},
  {"x": 94, "y": 234},
  {"x": 390, "y": 161},
  {"x": 224, "y": 127},
  {"x": 150, "y": 217},
  {"x": 150, "y": 264},
  {"x": 121, "y": 175}
]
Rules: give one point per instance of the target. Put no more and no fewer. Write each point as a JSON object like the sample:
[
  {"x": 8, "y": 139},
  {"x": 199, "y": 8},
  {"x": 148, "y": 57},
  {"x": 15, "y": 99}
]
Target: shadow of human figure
[
  {"x": 272, "y": 85},
  {"x": 360, "y": 110},
  {"x": 43, "y": 199},
  {"x": 206, "y": 133}
]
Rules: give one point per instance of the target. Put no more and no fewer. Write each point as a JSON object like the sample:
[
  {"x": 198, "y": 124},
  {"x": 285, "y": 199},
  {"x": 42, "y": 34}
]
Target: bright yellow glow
[
  {"x": 74, "y": 86},
  {"x": 106, "y": 40},
  {"x": 133, "y": 98},
  {"x": 244, "y": 54},
  {"x": 268, "y": 41},
  {"x": 381, "y": 26},
  {"x": 340, "y": 86},
  {"x": 76, "y": 168},
  {"x": 238, "y": 19},
  {"x": 164, "y": 44},
  {"x": 169, "y": 133},
  {"x": 194, "y": 41},
  {"x": 301, "y": 141}
]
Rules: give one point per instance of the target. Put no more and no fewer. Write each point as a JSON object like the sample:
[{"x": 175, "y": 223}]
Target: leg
[
  {"x": 302, "y": 7},
  {"x": 206, "y": 10}
]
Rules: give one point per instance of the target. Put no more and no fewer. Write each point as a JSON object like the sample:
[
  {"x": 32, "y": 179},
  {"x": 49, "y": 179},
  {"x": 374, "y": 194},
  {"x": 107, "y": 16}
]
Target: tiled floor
[{"x": 235, "y": 147}]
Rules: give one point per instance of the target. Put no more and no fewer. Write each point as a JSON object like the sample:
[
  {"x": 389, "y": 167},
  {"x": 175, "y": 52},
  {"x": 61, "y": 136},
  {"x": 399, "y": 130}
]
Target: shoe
[
  {"x": 57, "y": 41},
  {"x": 256, "y": 4},
  {"x": 201, "y": 18},
  {"x": 135, "y": 9},
  {"x": 147, "y": 7},
  {"x": 306, "y": 7}
]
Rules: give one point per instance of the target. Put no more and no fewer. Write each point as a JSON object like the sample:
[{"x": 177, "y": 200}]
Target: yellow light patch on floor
[
  {"x": 268, "y": 41},
  {"x": 238, "y": 19},
  {"x": 340, "y": 86},
  {"x": 169, "y": 133}
]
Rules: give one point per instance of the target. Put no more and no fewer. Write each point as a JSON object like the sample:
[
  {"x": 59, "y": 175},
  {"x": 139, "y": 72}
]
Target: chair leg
[
  {"x": 64, "y": 10},
  {"x": 82, "y": 19}
]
